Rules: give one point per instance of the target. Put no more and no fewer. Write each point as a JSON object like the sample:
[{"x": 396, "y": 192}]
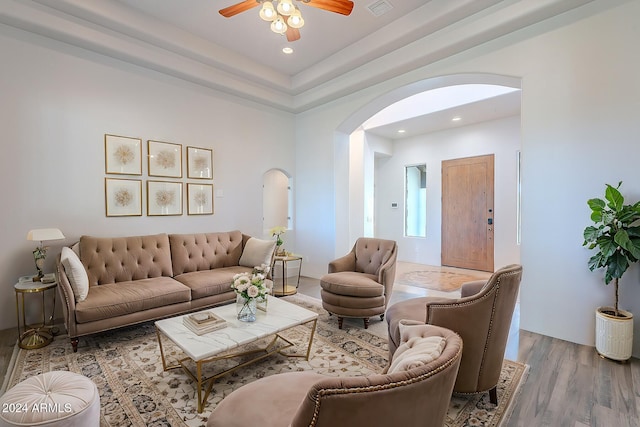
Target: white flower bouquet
[{"x": 253, "y": 285}]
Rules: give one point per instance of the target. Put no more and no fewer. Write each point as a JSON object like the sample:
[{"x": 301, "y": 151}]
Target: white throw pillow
[
  {"x": 415, "y": 350},
  {"x": 76, "y": 273},
  {"x": 257, "y": 252}
]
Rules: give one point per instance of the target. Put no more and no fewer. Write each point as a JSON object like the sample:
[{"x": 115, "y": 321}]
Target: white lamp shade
[
  {"x": 285, "y": 7},
  {"x": 42, "y": 234},
  {"x": 295, "y": 19},
  {"x": 268, "y": 12},
  {"x": 278, "y": 26}
]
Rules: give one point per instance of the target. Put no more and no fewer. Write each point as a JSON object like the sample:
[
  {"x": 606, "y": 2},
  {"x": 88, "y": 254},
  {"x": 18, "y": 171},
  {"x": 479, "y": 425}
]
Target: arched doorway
[
  {"x": 351, "y": 130},
  {"x": 276, "y": 200}
]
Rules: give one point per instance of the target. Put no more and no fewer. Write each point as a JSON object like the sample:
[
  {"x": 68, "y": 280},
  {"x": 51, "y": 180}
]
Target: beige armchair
[
  {"x": 359, "y": 284},
  {"x": 482, "y": 317},
  {"x": 417, "y": 397}
]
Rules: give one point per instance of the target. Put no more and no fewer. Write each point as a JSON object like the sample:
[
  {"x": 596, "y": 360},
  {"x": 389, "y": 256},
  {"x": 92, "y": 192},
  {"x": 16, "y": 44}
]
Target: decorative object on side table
[
  {"x": 40, "y": 253},
  {"x": 277, "y": 232},
  {"x": 616, "y": 239},
  {"x": 251, "y": 288}
]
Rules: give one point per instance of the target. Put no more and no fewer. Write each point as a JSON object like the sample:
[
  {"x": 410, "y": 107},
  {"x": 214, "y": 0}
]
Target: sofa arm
[
  {"x": 345, "y": 263},
  {"x": 67, "y": 298}
]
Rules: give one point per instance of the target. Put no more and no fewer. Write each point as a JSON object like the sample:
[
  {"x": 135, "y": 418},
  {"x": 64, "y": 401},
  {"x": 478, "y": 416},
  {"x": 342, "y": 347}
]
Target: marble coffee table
[{"x": 228, "y": 342}]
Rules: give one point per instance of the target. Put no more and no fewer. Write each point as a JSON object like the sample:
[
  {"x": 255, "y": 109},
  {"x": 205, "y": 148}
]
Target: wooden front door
[{"x": 467, "y": 213}]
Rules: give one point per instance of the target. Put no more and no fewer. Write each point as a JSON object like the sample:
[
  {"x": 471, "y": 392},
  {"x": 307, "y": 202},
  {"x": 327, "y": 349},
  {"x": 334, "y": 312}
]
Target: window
[{"x": 415, "y": 201}]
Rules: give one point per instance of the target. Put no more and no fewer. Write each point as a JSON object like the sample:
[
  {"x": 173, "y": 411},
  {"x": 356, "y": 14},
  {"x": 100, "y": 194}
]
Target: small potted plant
[{"x": 615, "y": 236}]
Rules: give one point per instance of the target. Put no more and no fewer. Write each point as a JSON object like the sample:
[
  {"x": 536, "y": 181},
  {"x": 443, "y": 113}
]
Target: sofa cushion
[
  {"x": 76, "y": 273},
  {"x": 210, "y": 282},
  {"x": 122, "y": 259},
  {"x": 416, "y": 348},
  {"x": 118, "y": 299},
  {"x": 205, "y": 251},
  {"x": 350, "y": 283},
  {"x": 257, "y": 252}
]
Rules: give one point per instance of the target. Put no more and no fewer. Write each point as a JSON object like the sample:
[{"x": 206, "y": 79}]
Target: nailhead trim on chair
[
  {"x": 494, "y": 293},
  {"x": 334, "y": 391}
]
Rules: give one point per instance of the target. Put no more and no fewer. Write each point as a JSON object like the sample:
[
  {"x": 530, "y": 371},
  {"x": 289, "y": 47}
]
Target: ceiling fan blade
[
  {"x": 230, "y": 11},
  {"x": 293, "y": 34},
  {"x": 343, "y": 7}
]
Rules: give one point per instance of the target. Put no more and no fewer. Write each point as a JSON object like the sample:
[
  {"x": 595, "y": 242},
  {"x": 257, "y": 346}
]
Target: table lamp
[{"x": 40, "y": 253}]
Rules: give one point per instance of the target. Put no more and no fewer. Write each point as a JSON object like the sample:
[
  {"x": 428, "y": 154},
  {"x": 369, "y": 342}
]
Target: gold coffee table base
[{"x": 261, "y": 353}]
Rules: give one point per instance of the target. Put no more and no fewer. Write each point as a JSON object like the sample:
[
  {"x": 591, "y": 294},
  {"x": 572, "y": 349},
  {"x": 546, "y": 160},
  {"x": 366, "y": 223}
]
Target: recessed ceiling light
[
  {"x": 401, "y": 131},
  {"x": 287, "y": 50},
  {"x": 456, "y": 119}
]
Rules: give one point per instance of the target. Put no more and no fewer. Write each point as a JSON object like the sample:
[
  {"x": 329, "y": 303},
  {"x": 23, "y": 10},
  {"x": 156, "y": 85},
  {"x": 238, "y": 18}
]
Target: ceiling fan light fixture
[
  {"x": 285, "y": 7},
  {"x": 268, "y": 12},
  {"x": 278, "y": 26},
  {"x": 295, "y": 19}
]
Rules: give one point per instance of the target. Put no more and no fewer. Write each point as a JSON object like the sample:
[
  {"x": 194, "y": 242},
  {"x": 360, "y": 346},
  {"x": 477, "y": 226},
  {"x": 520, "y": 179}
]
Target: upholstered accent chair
[
  {"x": 359, "y": 284},
  {"x": 482, "y": 317},
  {"x": 416, "y": 397}
]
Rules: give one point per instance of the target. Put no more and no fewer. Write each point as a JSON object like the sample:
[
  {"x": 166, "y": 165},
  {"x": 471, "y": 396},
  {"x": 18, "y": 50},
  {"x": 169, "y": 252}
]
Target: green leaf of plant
[
  {"x": 596, "y": 204},
  {"x": 614, "y": 197},
  {"x": 621, "y": 238},
  {"x": 633, "y": 231},
  {"x": 590, "y": 234},
  {"x": 607, "y": 217},
  {"x": 634, "y": 247},
  {"x": 617, "y": 265},
  {"x": 607, "y": 246},
  {"x": 596, "y": 261}
]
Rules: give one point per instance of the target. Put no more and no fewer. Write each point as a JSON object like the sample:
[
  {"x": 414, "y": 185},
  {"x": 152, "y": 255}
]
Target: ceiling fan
[{"x": 285, "y": 17}]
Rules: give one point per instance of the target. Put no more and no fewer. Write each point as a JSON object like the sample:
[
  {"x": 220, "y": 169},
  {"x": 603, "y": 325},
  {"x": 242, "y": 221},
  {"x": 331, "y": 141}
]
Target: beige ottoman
[{"x": 57, "y": 398}]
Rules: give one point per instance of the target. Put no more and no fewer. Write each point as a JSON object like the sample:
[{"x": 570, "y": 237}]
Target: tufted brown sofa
[{"x": 140, "y": 278}]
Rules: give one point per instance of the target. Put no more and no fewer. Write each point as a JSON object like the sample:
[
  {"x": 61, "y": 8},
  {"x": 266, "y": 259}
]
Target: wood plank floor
[{"x": 568, "y": 384}]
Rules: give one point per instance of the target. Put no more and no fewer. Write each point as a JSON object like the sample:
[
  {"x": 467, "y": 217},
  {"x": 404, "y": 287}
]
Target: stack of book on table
[{"x": 203, "y": 322}]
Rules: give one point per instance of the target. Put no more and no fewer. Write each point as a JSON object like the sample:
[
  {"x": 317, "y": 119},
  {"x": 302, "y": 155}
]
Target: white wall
[
  {"x": 58, "y": 102},
  {"x": 580, "y": 130},
  {"x": 498, "y": 137}
]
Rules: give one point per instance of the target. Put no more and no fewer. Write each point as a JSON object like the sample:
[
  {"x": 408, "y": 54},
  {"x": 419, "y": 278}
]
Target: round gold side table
[
  {"x": 40, "y": 334},
  {"x": 287, "y": 289}
]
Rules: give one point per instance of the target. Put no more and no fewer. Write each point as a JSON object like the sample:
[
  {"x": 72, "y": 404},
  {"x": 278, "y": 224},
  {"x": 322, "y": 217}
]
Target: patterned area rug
[
  {"x": 135, "y": 391},
  {"x": 439, "y": 278}
]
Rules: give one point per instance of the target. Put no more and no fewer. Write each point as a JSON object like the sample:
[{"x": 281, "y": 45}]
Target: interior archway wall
[{"x": 347, "y": 197}]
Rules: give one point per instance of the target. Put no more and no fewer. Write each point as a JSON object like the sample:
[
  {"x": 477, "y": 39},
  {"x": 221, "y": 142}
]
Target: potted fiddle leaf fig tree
[{"x": 615, "y": 237}]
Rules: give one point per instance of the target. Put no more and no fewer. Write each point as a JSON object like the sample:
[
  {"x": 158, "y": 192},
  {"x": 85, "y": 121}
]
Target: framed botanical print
[
  {"x": 164, "y": 198},
  {"x": 199, "y": 163},
  {"x": 123, "y": 197},
  {"x": 199, "y": 199},
  {"x": 122, "y": 155},
  {"x": 164, "y": 159}
]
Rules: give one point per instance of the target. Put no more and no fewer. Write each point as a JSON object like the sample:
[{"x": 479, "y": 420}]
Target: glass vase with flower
[{"x": 251, "y": 289}]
